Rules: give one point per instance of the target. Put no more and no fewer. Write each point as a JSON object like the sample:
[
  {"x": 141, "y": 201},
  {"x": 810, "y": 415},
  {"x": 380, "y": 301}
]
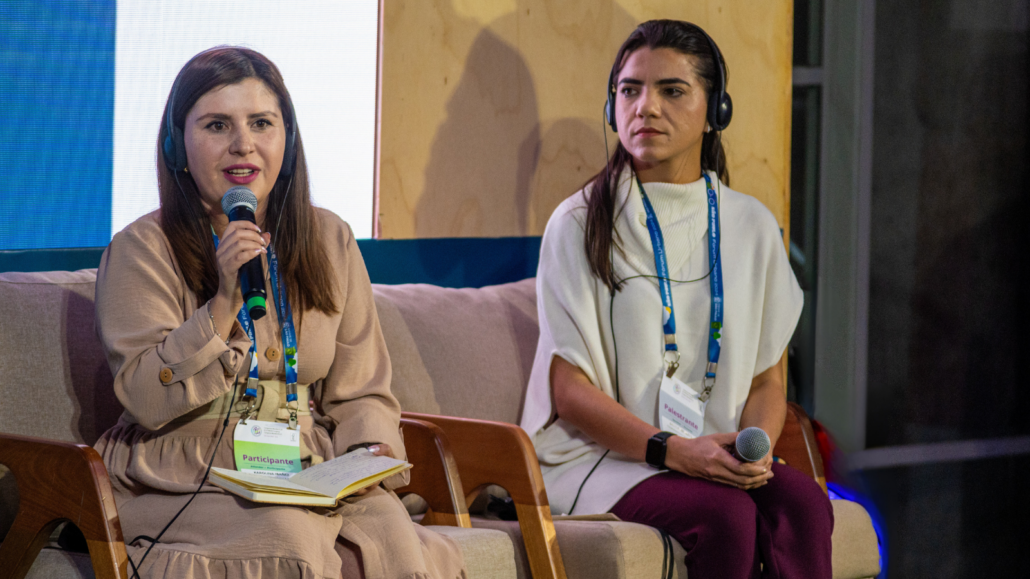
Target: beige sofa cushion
[
  {"x": 477, "y": 363},
  {"x": 621, "y": 550},
  {"x": 58, "y": 564},
  {"x": 489, "y": 554},
  {"x": 54, "y": 369}
]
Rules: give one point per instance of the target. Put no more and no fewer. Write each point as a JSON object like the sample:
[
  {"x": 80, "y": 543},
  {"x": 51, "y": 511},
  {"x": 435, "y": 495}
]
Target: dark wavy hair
[
  {"x": 306, "y": 269},
  {"x": 600, "y": 234}
]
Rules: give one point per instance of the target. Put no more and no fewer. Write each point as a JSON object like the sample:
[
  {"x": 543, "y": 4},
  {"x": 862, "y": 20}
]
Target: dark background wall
[{"x": 948, "y": 313}]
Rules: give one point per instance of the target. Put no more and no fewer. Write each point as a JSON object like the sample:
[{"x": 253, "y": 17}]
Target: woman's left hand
[{"x": 381, "y": 449}]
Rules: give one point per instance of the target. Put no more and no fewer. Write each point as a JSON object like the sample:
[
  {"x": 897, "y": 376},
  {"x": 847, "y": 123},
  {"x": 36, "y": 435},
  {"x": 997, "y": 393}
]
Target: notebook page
[{"x": 331, "y": 477}]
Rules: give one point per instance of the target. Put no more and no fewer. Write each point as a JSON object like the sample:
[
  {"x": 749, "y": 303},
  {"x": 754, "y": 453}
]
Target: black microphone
[
  {"x": 240, "y": 204},
  {"x": 752, "y": 444}
]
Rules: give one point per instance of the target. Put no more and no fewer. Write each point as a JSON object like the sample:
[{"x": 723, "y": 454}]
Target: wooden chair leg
[
  {"x": 435, "y": 477},
  {"x": 541, "y": 540},
  {"x": 488, "y": 452},
  {"x": 57, "y": 482}
]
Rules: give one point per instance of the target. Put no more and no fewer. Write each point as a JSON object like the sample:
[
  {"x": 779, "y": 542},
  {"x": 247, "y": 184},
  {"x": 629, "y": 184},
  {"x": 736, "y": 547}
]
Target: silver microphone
[{"x": 752, "y": 444}]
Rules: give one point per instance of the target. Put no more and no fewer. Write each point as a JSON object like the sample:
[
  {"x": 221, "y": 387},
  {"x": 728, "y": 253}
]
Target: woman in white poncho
[{"x": 647, "y": 367}]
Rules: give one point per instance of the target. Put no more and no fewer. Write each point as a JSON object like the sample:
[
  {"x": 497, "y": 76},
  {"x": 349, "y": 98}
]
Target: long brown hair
[
  {"x": 306, "y": 269},
  {"x": 601, "y": 238}
]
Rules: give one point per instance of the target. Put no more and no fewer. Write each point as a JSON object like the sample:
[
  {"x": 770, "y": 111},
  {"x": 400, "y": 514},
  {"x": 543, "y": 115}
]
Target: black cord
[
  {"x": 156, "y": 540},
  {"x": 596, "y": 464},
  {"x": 668, "y": 563}
]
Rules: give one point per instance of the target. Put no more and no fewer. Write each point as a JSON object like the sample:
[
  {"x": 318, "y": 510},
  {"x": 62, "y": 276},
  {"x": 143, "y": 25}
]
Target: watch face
[{"x": 656, "y": 446}]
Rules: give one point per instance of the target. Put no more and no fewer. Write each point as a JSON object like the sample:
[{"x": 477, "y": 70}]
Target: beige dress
[{"x": 174, "y": 376}]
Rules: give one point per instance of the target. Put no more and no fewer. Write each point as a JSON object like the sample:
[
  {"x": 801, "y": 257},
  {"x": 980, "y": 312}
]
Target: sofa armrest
[
  {"x": 797, "y": 445},
  {"x": 58, "y": 482},
  {"x": 499, "y": 453},
  {"x": 435, "y": 474}
]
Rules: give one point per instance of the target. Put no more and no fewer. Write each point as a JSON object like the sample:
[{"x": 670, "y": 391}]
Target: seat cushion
[
  {"x": 856, "y": 549},
  {"x": 489, "y": 554},
  {"x": 58, "y": 564},
  {"x": 460, "y": 352},
  {"x": 621, "y": 550}
]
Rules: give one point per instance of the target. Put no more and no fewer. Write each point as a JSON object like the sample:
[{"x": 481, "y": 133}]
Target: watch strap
[{"x": 656, "y": 448}]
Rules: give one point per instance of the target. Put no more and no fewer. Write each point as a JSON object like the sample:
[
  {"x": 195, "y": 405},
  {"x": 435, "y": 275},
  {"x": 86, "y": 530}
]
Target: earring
[
  {"x": 708, "y": 128},
  {"x": 186, "y": 170}
]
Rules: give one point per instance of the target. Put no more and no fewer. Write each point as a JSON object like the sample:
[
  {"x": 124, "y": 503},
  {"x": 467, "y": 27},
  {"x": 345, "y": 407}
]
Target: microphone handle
[{"x": 252, "y": 274}]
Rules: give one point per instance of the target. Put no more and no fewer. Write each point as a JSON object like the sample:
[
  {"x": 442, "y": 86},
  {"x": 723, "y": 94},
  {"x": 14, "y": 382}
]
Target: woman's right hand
[
  {"x": 239, "y": 243},
  {"x": 706, "y": 457}
]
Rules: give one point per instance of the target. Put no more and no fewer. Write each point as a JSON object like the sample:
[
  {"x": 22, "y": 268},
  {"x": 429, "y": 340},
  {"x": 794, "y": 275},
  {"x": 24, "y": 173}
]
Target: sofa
[{"x": 461, "y": 360}]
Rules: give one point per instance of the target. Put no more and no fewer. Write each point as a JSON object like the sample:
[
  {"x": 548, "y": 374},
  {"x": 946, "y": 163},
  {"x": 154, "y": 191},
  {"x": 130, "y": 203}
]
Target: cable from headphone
[{"x": 156, "y": 540}]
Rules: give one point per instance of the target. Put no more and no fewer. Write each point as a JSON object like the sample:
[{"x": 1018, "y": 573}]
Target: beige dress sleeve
[
  {"x": 355, "y": 393},
  {"x": 173, "y": 364}
]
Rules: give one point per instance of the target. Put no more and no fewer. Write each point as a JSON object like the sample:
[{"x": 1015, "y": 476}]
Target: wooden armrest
[
  {"x": 435, "y": 474},
  {"x": 58, "y": 482},
  {"x": 499, "y": 453},
  {"x": 797, "y": 445}
]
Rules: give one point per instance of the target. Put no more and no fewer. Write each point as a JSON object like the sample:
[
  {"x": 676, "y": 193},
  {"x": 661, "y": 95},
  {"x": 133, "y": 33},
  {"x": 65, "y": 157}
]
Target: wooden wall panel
[{"x": 491, "y": 110}]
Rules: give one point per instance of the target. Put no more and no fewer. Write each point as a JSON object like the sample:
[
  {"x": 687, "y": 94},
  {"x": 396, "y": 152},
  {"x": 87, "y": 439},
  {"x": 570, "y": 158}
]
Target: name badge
[
  {"x": 267, "y": 448},
  {"x": 680, "y": 410}
]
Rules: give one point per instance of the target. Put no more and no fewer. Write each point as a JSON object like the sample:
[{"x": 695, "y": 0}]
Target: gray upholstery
[{"x": 460, "y": 352}]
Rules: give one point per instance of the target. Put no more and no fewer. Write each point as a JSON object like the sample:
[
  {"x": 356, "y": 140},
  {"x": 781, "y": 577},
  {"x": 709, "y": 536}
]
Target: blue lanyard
[
  {"x": 289, "y": 334},
  {"x": 665, "y": 287}
]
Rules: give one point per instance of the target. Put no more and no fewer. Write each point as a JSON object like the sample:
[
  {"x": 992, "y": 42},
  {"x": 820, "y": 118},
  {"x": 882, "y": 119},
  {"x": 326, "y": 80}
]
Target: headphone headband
[
  {"x": 173, "y": 148},
  {"x": 720, "y": 105}
]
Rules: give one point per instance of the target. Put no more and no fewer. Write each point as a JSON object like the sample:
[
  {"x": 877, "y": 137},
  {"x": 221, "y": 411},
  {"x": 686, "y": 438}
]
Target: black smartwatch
[{"x": 656, "y": 447}]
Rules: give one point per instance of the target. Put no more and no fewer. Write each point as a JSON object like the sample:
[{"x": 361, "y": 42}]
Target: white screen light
[{"x": 326, "y": 51}]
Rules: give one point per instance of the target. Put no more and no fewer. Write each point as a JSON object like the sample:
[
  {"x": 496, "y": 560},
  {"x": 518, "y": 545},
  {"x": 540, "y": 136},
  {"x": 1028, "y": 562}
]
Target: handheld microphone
[
  {"x": 240, "y": 204},
  {"x": 752, "y": 444}
]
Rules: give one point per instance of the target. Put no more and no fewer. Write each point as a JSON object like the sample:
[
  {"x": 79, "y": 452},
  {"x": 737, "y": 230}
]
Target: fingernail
[{"x": 373, "y": 449}]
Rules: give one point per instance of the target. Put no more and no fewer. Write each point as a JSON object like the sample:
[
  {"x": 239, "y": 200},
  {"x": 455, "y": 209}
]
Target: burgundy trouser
[{"x": 779, "y": 530}]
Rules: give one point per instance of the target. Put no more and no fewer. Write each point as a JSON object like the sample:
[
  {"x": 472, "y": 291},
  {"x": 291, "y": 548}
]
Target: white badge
[
  {"x": 680, "y": 410},
  {"x": 266, "y": 448}
]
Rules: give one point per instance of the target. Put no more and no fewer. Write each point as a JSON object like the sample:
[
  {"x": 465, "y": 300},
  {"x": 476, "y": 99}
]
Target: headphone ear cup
[
  {"x": 289, "y": 154},
  {"x": 609, "y": 113},
  {"x": 174, "y": 149},
  {"x": 722, "y": 113},
  {"x": 168, "y": 152},
  {"x": 180, "y": 149}
]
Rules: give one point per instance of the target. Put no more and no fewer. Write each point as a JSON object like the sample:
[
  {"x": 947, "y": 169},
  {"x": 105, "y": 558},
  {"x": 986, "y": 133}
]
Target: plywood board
[{"x": 491, "y": 110}]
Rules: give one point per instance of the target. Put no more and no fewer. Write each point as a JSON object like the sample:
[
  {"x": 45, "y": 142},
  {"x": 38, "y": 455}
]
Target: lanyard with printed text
[
  {"x": 289, "y": 338},
  {"x": 665, "y": 288}
]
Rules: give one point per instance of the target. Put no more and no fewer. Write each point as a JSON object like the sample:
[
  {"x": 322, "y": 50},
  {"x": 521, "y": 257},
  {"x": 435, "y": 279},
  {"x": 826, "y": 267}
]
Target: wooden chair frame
[
  {"x": 60, "y": 482},
  {"x": 65, "y": 482},
  {"x": 476, "y": 444}
]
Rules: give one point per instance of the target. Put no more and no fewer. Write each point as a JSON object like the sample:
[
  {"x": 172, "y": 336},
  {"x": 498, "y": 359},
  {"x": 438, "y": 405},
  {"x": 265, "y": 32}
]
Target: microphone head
[
  {"x": 237, "y": 196},
  {"x": 752, "y": 444}
]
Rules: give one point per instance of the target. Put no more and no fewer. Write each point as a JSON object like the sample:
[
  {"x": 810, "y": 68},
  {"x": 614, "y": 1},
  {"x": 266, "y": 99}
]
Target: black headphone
[
  {"x": 720, "y": 105},
  {"x": 174, "y": 146}
]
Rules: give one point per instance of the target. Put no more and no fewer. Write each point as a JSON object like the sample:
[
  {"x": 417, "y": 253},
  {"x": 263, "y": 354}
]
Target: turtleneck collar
[{"x": 682, "y": 214}]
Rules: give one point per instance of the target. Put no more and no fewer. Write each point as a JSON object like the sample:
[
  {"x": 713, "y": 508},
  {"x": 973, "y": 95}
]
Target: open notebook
[{"x": 322, "y": 485}]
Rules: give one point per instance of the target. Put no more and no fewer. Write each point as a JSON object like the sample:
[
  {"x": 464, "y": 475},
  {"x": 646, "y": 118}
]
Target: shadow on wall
[
  {"x": 485, "y": 152},
  {"x": 495, "y": 168}
]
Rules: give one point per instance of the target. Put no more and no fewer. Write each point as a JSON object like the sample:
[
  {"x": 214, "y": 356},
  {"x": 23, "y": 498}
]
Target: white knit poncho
[{"x": 762, "y": 306}]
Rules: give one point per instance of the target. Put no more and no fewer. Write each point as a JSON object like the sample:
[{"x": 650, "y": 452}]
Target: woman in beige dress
[{"x": 167, "y": 302}]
